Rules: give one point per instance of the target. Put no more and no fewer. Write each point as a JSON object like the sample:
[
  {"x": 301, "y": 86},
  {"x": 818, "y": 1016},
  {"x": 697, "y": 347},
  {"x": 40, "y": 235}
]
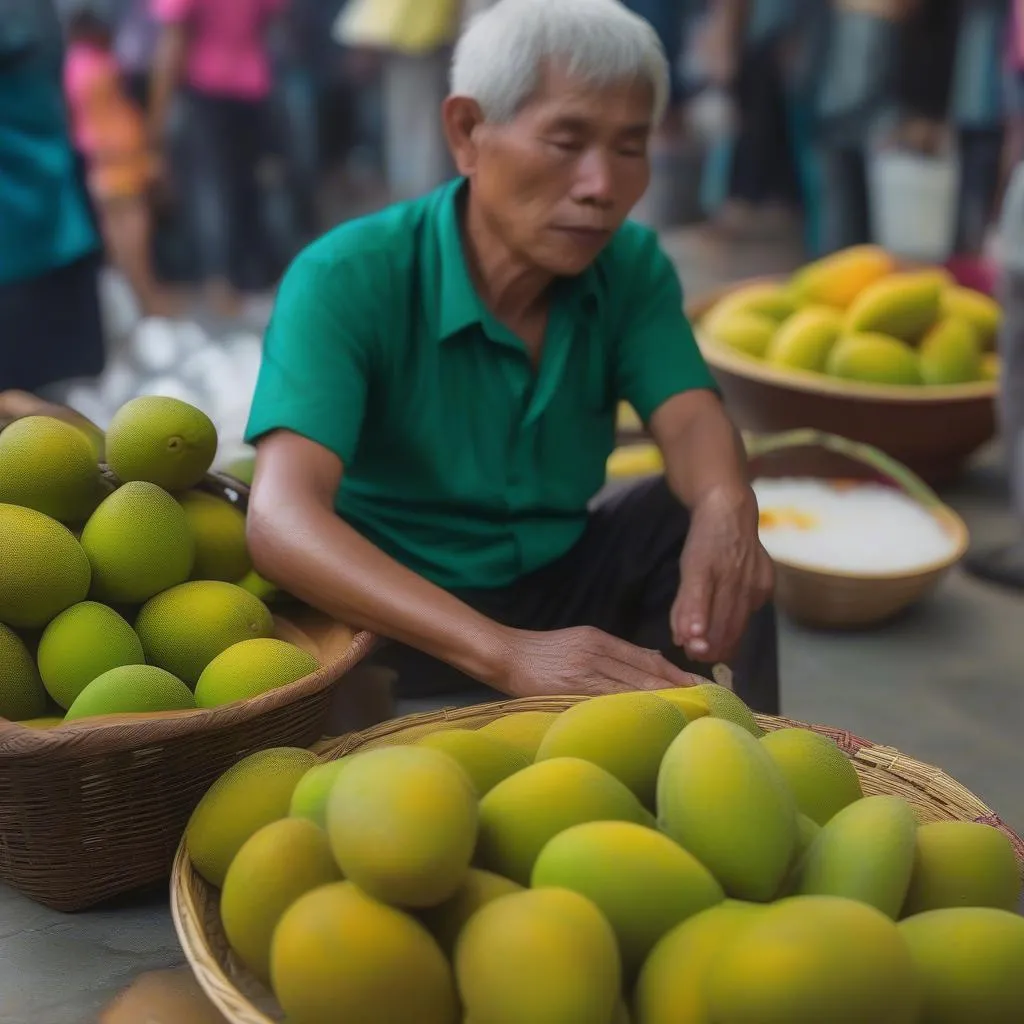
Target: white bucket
[{"x": 914, "y": 203}]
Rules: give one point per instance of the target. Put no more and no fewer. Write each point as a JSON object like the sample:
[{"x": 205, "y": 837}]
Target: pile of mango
[
  {"x": 653, "y": 858},
  {"x": 855, "y": 316},
  {"x": 133, "y": 595}
]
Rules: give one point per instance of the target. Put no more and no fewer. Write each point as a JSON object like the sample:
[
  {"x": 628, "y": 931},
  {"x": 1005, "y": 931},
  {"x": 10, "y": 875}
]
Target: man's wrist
[
  {"x": 737, "y": 497},
  {"x": 489, "y": 654}
]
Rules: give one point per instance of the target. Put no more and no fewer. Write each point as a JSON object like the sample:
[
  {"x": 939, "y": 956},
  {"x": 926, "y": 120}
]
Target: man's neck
[{"x": 514, "y": 291}]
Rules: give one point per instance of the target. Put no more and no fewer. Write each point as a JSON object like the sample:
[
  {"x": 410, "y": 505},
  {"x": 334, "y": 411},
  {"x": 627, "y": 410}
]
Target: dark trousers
[
  {"x": 52, "y": 327},
  {"x": 225, "y": 140},
  {"x": 846, "y": 208},
  {"x": 981, "y": 155},
  {"x": 764, "y": 165},
  {"x": 621, "y": 577}
]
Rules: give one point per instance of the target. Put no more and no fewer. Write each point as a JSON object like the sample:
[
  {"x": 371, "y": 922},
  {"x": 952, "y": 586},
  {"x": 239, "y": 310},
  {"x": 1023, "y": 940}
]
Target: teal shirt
[
  {"x": 461, "y": 460},
  {"x": 44, "y": 217}
]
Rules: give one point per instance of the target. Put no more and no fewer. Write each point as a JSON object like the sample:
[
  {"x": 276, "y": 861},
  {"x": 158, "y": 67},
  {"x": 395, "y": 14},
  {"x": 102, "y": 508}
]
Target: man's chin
[{"x": 563, "y": 264}]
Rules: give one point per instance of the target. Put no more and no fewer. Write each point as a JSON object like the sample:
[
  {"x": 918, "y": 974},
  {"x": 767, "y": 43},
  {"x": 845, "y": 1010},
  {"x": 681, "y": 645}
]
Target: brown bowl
[{"x": 931, "y": 430}]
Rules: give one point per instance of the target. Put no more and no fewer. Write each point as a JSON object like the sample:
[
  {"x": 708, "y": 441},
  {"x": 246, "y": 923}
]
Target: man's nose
[{"x": 594, "y": 182}]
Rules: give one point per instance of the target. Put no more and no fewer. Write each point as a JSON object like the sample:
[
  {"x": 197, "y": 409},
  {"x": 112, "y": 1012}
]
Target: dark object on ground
[{"x": 1003, "y": 565}]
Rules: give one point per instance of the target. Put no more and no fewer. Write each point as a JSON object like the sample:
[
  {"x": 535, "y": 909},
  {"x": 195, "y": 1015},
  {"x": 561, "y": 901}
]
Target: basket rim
[
  {"x": 229, "y": 1000},
  {"x": 109, "y": 733},
  {"x": 720, "y": 357}
]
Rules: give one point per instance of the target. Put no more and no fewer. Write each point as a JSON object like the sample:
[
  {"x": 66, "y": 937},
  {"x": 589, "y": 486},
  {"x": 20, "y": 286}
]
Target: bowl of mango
[{"x": 860, "y": 345}]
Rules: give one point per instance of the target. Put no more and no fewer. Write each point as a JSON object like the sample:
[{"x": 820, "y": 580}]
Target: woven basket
[
  {"x": 242, "y": 999},
  {"x": 932, "y": 430},
  {"x": 844, "y": 600},
  {"x": 96, "y": 808}
]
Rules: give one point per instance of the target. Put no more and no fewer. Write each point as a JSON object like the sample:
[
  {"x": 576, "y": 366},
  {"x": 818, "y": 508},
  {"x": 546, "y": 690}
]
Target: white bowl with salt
[{"x": 853, "y": 553}]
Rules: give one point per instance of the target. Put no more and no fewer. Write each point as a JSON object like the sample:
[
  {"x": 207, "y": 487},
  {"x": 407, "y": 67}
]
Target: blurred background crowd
[{"x": 215, "y": 137}]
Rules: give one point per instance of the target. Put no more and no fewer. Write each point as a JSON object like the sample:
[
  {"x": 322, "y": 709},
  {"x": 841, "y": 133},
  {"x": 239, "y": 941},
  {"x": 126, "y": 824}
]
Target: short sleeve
[
  {"x": 171, "y": 12},
  {"x": 657, "y": 353},
  {"x": 315, "y": 372}
]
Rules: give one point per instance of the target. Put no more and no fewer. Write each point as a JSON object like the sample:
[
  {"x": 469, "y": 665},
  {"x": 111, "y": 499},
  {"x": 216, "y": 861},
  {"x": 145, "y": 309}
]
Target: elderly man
[{"x": 438, "y": 392}]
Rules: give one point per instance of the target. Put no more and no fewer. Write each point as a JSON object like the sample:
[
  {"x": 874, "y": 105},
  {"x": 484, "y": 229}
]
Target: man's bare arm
[
  {"x": 299, "y": 542},
  {"x": 725, "y": 573},
  {"x": 296, "y": 536},
  {"x": 168, "y": 62}
]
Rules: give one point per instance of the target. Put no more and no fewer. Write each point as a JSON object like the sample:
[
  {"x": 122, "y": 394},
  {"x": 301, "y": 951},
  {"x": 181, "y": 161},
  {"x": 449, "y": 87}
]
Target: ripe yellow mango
[
  {"x": 836, "y": 280},
  {"x": 865, "y": 853},
  {"x": 761, "y": 298},
  {"x": 981, "y": 311},
  {"x": 949, "y": 353},
  {"x": 821, "y": 776},
  {"x": 971, "y": 962},
  {"x": 626, "y": 734},
  {"x": 816, "y": 959},
  {"x": 874, "y": 359},
  {"x": 722, "y": 797},
  {"x": 903, "y": 306},
  {"x": 643, "y": 882},
  {"x": 672, "y": 985},
  {"x": 520, "y": 815},
  {"x": 805, "y": 340},
  {"x": 547, "y": 956},
  {"x": 402, "y": 822},
  {"x": 962, "y": 864},
  {"x": 749, "y": 333}
]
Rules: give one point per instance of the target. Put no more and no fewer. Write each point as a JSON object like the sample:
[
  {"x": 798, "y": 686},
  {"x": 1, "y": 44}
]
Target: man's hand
[
  {"x": 726, "y": 575},
  {"x": 587, "y": 661}
]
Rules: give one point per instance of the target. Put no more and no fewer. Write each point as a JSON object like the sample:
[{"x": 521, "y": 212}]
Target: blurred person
[
  {"x": 856, "y": 105},
  {"x": 49, "y": 246},
  {"x": 216, "y": 54},
  {"x": 1013, "y": 85},
  {"x": 1004, "y": 565},
  {"x": 413, "y": 39},
  {"x": 109, "y": 133},
  {"x": 764, "y": 186},
  {"x": 977, "y": 114},
  {"x": 135, "y": 42},
  {"x": 437, "y": 399}
]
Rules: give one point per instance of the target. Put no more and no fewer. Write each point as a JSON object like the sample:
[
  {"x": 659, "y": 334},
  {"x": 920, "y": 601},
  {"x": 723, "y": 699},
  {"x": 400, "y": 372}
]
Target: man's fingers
[
  {"x": 653, "y": 666},
  {"x": 692, "y": 607}
]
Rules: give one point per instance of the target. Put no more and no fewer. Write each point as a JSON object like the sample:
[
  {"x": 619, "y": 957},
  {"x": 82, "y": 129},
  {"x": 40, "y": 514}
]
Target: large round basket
[
  {"x": 96, "y": 808},
  {"x": 242, "y": 999},
  {"x": 932, "y": 430},
  {"x": 829, "y": 599}
]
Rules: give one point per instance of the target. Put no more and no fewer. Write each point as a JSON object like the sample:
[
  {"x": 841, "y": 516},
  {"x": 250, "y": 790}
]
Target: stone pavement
[{"x": 945, "y": 684}]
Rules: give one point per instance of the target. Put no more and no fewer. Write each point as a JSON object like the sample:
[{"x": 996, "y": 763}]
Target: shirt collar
[{"x": 458, "y": 304}]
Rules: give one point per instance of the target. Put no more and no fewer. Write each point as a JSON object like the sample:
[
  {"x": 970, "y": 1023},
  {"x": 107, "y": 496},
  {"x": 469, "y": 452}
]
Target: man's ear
[{"x": 461, "y": 117}]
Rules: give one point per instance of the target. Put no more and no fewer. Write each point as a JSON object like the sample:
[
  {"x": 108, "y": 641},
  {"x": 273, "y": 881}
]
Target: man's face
[{"x": 558, "y": 180}]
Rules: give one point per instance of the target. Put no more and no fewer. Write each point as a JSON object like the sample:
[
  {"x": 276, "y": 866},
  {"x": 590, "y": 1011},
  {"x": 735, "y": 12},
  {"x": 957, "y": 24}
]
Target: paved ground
[{"x": 945, "y": 685}]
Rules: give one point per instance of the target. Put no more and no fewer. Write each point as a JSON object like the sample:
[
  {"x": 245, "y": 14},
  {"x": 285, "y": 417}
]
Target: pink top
[
  {"x": 227, "y": 54},
  {"x": 1015, "y": 37},
  {"x": 103, "y": 120}
]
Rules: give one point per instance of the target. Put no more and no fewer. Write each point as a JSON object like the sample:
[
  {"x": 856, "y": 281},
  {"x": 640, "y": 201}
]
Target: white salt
[{"x": 863, "y": 528}]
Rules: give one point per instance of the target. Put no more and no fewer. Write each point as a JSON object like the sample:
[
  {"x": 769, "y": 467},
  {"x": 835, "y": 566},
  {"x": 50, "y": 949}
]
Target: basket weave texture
[
  {"x": 96, "y": 808},
  {"x": 242, "y": 999}
]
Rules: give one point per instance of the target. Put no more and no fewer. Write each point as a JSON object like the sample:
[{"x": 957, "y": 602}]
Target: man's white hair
[{"x": 501, "y": 54}]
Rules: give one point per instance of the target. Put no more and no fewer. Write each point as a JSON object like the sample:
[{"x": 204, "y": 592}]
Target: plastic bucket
[{"x": 913, "y": 203}]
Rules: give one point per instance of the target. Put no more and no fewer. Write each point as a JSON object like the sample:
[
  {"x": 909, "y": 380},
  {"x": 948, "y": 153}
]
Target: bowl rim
[
  {"x": 949, "y": 519},
  {"x": 720, "y": 357}
]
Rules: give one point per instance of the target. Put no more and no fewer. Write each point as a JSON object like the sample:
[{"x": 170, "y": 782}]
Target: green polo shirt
[{"x": 462, "y": 461}]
